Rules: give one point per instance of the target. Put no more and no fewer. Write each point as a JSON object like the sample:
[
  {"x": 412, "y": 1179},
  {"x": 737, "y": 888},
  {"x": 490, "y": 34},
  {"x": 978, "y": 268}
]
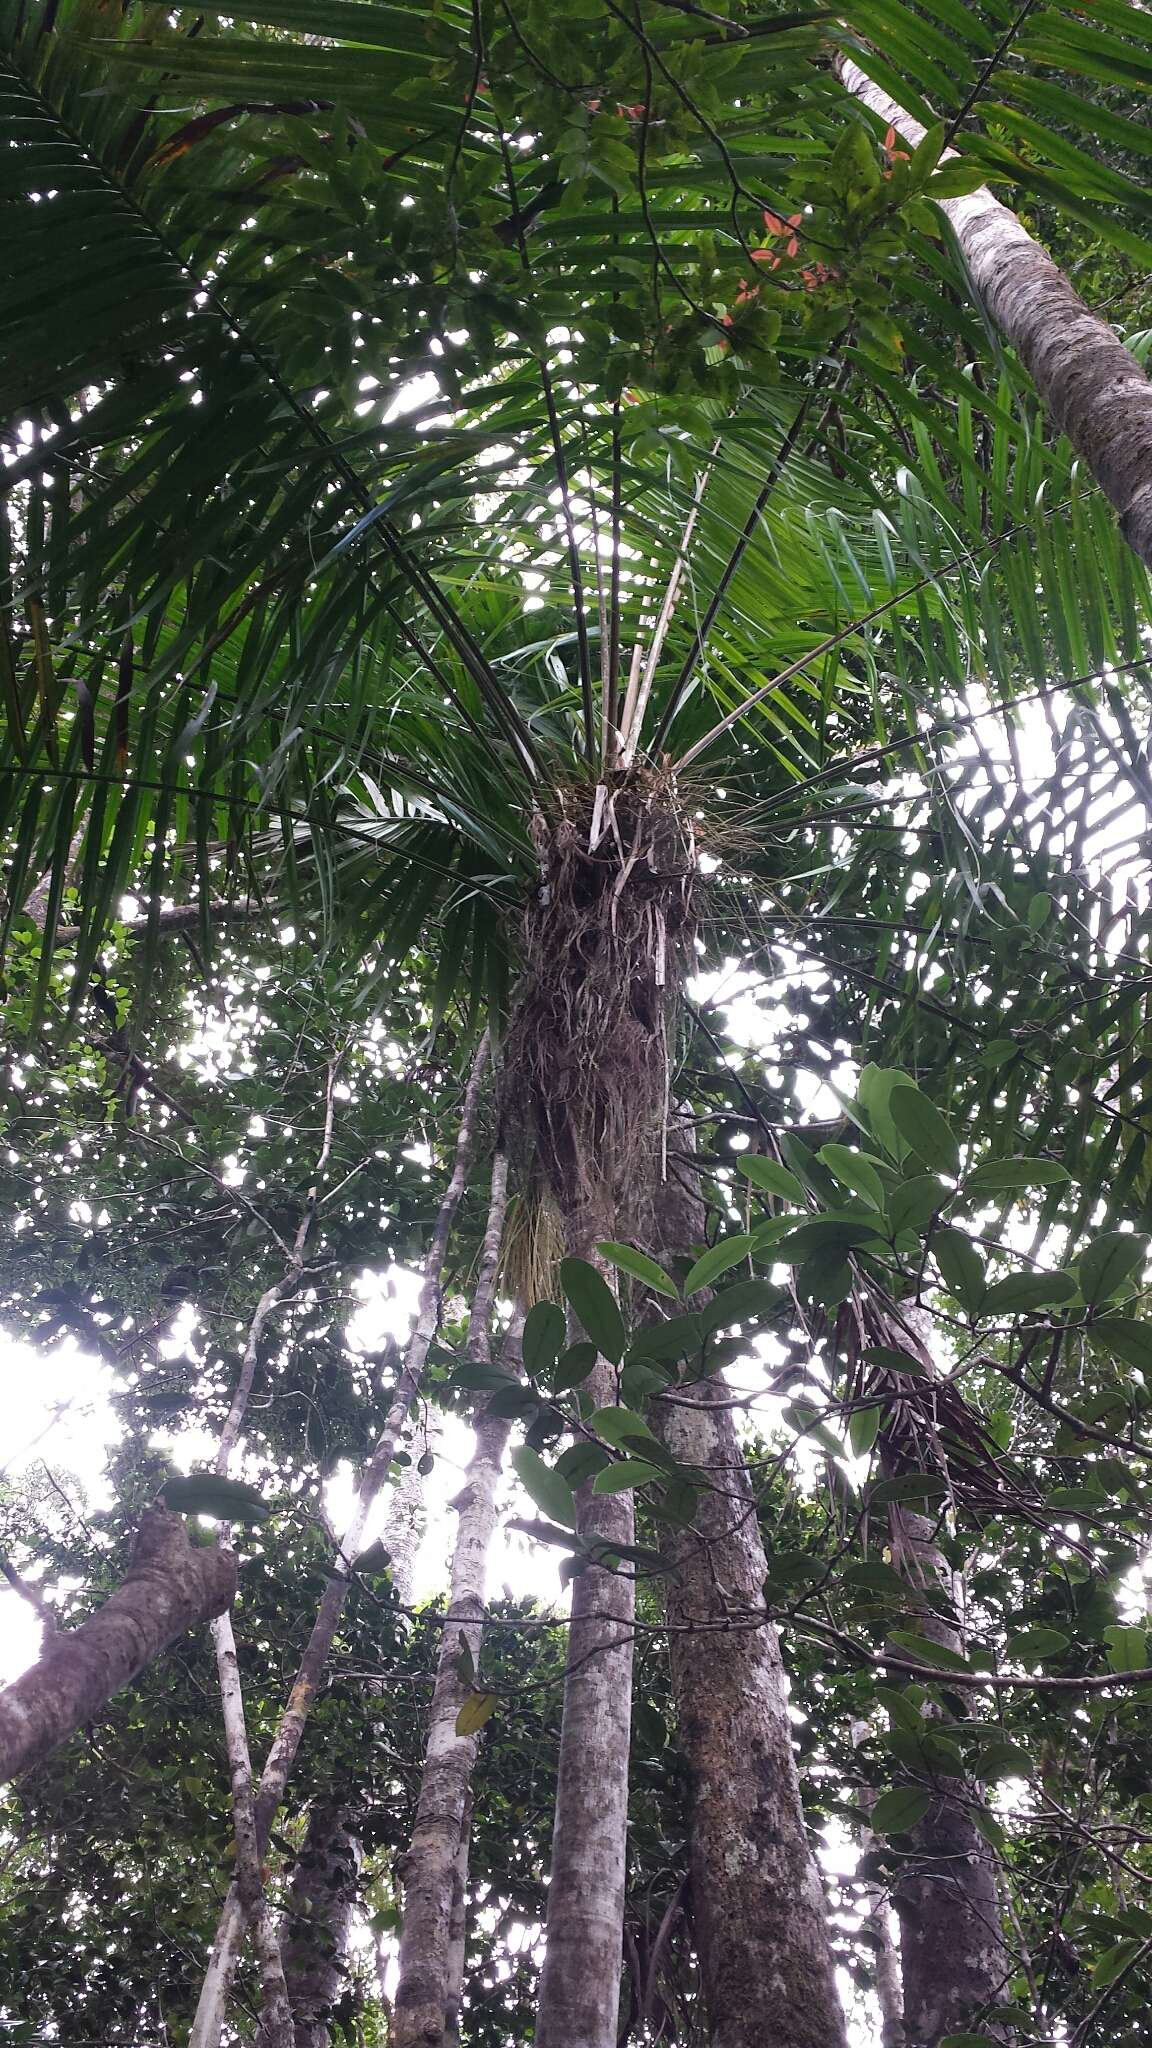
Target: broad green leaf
[
  {"x": 961, "y": 1267},
  {"x": 1021, "y": 1292},
  {"x": 899, "y": 1809},
  {"x": 891, "y": 1360},
  {"x": 481, "y": 1378},
  {"x": 578, "y": 1463},
  {"x": 373, "y": 1561},
  {"x": 1127, "y": 1648},
  {"x": 207, "y": 1493},
  {"x": 856, "y": 1171},
  {"x": 827, "y": 1234},
  {"x": 616, "y": 1425},
  {"x": 986, "y": 1824},
  {"x": 573, "y": 1367},
  {"x": 1109, "y": 1263},
  {"x": 1035, "y": 1645},
  {"x": 543, "y": 1338},
  {"x": 912, "y": 1205},
  {"x": 745, "y": 1302},
  {"x": 678, "y": 1337},
  {"x": 625, "y": 1474},
  {"x": 999, "y": 1759},
  {"x": 863, "y": 1430},
  {"x": 771, "y": 1178},
  {"x": 545, "y": 1485},
  {"x": 875, "y": 1577},
  {"x": 874, "y": 1093},
  {"x": 910, "y": 1487},
  {"x": 512, "y": 1400},
  {"x": 1128, "y": 1339},
  {"x": 768, "y": 1233},
  {"x": 596, "y": 1306},
  {"x": 929, "y": 1652},
  {"x": 995, "y": 1174},
  {"x": 639, "y": 1266},
  {"x": 478, "y": 1708},
  {"x": 919, "y": 1122},
  {"x": 804, "y": 1419},
  {"x": 904, "y": 1709},
  {"x": 718, "y": 1259},
  {"x": 1115, "y": 1961}
]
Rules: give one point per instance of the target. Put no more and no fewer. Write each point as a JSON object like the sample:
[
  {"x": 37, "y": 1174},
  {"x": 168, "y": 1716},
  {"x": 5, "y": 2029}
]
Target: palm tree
[{"x": 487, "y": 464}]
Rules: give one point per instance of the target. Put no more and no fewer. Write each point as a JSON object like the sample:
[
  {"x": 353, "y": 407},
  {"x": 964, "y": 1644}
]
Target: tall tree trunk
[
  {"x": 1091, "y": 384},
  {"x": 210, "y": 2009},
  {"x": 170, "y": 1587},
  {"x": 952, "y": 1955},
  {"x": 580, "y": 1981},
  {"x": 952, "y": 1952},
  {"x": 432, "y": 1865},
  {"x": 605, "y": 944},
  {"x": 317, "y": 1921},
  {"x": 757, "y": 1900},
  {"x": 276, "y": 2023},
  {"x": 876, "y": 1930}
]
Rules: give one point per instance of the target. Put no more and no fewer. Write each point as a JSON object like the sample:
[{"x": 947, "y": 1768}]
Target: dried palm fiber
[
  {"x": 605, "y": 940},
  {"x": 533, "y": 1246}
]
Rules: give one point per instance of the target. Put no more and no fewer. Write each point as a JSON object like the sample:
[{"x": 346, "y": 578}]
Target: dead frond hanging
[{"x": 605, "y": 941}]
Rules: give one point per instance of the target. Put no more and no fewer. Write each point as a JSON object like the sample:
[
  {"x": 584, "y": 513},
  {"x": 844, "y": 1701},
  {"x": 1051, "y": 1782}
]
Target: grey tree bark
[
  {"x": 170, "y": 1587},
  {"x": 952, "y": 1955},
  {"x": 877, "y": 1928},
  {"x": 1092, "y": 385},
  {"x": 435, "y": 1866},
  {"x": 580, "y": 1981},
  {"x": 953, "y": 1958},
  {"x": 757, "y": 1901},
  {"x": 317, "y": 1921}
]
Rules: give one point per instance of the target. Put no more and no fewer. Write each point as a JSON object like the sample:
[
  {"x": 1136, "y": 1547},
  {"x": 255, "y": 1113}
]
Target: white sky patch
[{"x": 57, "y": 1418}]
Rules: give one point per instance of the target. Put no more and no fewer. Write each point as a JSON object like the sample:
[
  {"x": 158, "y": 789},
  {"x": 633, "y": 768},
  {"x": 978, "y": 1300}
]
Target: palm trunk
[
  {"x": 580, "y": 1981},
  {"x": 1093, "y": 387},
  {"x": 758, "y": 1904},
  {"x": 952, "y": 1955},
  {"x": 432, "y": 1867},
  {"x": 169, "y": 1588},
  {"x": 606, "y": 939}
]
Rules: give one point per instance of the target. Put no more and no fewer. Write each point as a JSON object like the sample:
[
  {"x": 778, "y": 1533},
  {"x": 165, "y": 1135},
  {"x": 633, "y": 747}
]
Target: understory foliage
[{"x": 519, "y": 535}]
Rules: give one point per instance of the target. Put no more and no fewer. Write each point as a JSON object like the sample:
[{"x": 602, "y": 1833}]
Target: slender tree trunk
[
  {"x": 170, "y": 1587},
  {"x": 210, "y": 2010},
  {"x": 952, "y": 1954},
  {"x": 757, "y": 1900},
  {"x": 580, "y": 1981},
  {"x": 1091, "y": 384},
  {"x": 458, "y": 1934},
  {"x": 431, "y": 1869},
  {"x": 606, "y": 940},
  {"x": 275, "y": 2012},
  {"x": 876, "y": 1930},
  {"x": 276, "y": 2026},
  {"x": 317, "y": 1921}
]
